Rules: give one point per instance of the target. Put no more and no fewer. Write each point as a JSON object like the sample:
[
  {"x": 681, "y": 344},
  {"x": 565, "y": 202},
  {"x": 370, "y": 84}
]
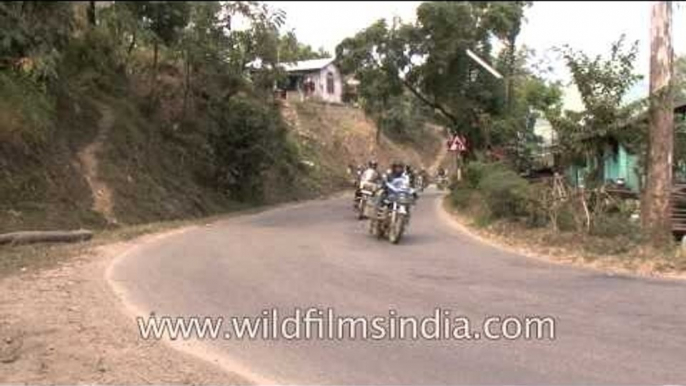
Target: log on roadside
[{"x": 27, "y": 237}]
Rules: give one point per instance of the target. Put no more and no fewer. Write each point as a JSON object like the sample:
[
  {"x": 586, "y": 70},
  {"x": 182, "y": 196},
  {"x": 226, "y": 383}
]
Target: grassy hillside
[
  {"x": 41, "y": 186},
  {"x": 122, "y": 121},
  {"x": 161, "y": 168}
]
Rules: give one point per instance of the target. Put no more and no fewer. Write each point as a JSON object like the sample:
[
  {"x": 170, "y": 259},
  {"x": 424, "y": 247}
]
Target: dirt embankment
[{"x": 338, "y": 135}]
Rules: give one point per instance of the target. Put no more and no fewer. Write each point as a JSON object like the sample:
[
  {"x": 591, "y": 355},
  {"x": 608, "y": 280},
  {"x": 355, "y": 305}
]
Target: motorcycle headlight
[{"x": 405, "y": 199}]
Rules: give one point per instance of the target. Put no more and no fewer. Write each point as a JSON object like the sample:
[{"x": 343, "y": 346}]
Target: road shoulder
[
  {"x": 553, "y": 255},
  {"x": 65, "y": 325}
]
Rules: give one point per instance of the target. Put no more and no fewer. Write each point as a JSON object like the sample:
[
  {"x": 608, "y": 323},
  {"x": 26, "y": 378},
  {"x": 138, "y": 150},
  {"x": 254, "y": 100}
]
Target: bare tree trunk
[
  {"x": 655, "y": 208},
  {"x": 27, "y": 237},
  {"x": 91, "y": 13}
]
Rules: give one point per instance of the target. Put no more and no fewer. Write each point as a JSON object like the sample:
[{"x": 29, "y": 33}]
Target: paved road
[{"x": 610, "y": 329}]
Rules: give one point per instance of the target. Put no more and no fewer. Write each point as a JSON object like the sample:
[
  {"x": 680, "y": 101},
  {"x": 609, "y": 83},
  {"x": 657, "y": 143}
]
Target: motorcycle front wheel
[
  {"x": 360, "y": 210},
  {"x": 397, "y": 227}
]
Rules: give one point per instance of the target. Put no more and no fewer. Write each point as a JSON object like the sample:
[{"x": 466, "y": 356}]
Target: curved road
[{"x": 610, "y": 329}]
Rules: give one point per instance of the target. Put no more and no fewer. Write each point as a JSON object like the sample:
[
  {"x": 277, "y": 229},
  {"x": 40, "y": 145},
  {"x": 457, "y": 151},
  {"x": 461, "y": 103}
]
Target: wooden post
[
  {"x": 655, "y": 208},
  {"x": 458, "y": 166}
]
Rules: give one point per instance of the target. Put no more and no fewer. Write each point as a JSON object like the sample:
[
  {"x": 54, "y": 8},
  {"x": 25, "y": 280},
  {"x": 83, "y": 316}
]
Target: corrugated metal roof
[{"x": 307, "y": 65}]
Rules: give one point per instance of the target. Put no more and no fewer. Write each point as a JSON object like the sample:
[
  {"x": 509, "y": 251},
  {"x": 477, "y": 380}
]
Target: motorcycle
[
  {"x": 442, "y": 182},
  {"x": 420, "y": 183},
  {"x": 393, "y": 215},
  {"x": 364, "y": 196}
]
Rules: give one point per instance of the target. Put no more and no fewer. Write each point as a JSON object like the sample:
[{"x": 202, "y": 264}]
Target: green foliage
[
  {"x": 247, "y": 137},
  {"x": 33, "y": 35},
  {"x": 291, "y": 50},
  {"x": 188, "y": 159},
  {"x": 504, "y": 194},
  {"x": 428, "y": 59},
  {"x": 165, "y": 19},
  {"x": 602, "y": 83},
  {"x": 405, "y": 118},
  {"x": 616, "y": 224},
  {"x": 26, "y": 112},
  {"x": 90, "y": 63}
]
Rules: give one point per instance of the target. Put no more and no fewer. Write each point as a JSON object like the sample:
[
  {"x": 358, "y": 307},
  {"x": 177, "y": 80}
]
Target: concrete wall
[
  {"x": 621, "y": 164},
  {"x": 319, "y": 77},
  {"x": 321, "y": 90}
]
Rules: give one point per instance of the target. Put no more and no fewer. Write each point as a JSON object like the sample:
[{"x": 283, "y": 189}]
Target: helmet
[{"x": 397, "y": 165}]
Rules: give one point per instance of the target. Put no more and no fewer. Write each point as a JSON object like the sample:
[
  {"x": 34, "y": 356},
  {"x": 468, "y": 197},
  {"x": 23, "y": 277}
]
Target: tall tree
[
  {"x": 602, "y": 83},
  {"x": 428, "y": 58},
  {"x": 655, "y": 204},
  {"x": 291, "y": 50}
]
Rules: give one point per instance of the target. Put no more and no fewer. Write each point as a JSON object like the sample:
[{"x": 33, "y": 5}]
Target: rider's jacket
[{"x": 368, "y": 178}]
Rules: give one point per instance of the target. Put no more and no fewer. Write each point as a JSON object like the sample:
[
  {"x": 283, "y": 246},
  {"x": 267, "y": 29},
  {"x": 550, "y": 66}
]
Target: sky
[{"x": 590, "y": 26}]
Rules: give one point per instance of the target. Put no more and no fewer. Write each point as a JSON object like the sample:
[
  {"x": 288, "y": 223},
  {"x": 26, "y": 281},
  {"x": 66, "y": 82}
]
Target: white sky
[{"x": 590, "y": 26}]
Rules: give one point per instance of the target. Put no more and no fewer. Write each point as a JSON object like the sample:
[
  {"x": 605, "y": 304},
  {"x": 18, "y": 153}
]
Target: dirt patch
[
  {"x": 88, "y": 158},
  {"x": 543, "y": 244},
  {"x": 64, "y": 325},
  {"x": 340, "y": 135}
]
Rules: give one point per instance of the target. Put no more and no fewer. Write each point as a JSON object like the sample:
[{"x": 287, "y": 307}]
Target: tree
[
  {"x": 91, "y": 13},
  {"x": 291, "y": 50},
  {"x": 602, "y": 83},
  {"x": 655, "y": 216},
  {"x": 165, "y": 20},
  {"x": 428, "y": 58},
  {"x": 34, "y": 36}
]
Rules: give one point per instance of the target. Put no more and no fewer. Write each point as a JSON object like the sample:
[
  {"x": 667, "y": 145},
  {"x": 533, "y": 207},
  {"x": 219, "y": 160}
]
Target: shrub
[
  {"x": 475, "y": 172},
  {"x": 503, "y": 192},
  {"x": 461, "y": 196},
  {"x": 247, "y": 138},
  {"x": 506, "y": 193},
  {"x": 615, "y": 224},
  {"x": 25, "y": 111}
]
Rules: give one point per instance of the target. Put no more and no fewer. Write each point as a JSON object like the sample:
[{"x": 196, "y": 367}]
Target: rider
[
  {"x": 369, "y": 176},
  {"x": 396, "y": 171},
  {"x": 410, "y": 175},
  {"x": 421, "y": 178}
]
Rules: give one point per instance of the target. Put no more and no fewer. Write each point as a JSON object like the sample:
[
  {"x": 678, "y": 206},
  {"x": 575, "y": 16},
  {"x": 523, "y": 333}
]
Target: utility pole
[{"x": 655, "y": 205}]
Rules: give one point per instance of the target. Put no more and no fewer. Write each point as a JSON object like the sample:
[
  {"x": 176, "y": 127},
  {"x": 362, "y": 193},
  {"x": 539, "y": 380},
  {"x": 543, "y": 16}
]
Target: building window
[{"x": 329, "y": 83}]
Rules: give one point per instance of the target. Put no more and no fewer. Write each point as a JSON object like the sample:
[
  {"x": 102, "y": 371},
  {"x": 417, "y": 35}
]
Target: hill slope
[{"x": 145, "y": 169}]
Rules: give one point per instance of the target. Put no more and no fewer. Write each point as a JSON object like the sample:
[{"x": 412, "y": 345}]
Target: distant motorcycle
[
  {"x": 442, "y": 182},
  {"x": 393, "y": 215},
  {"x": 420, "y": 183}
]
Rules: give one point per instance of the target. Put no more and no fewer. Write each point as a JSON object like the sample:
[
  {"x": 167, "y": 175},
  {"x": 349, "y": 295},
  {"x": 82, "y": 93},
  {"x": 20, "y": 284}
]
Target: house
[
  {"x": 620, "y": 164},
  {"x": 317, "y": 79}
]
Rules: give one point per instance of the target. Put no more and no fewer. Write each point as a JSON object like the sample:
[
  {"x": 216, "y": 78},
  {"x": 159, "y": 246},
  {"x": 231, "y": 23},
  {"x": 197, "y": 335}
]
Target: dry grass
[{"x": 575, "y": 248}]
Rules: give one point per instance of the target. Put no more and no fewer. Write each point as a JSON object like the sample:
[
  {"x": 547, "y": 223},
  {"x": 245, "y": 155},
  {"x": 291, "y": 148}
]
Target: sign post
[{"x": 458, "y": 145}]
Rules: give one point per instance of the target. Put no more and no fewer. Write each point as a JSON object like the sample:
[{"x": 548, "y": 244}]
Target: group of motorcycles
[{"x": 386, "y": 201}]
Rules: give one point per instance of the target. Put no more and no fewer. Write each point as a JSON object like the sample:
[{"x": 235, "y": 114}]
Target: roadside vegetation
[
  {"x": 196, "y": 129},
  {"x": 510, "y": 178}
]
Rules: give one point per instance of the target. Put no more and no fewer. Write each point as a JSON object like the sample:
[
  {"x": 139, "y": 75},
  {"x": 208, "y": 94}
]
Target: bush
[
  {"x": 461, "y": 196},
  {"x": 506, "y": 193},
  {"x": 503, "y": 192},
  {"x": 475, "y": 172},
  {"x": 26, "y": 111},
  {"x": 616, "y": 224},
  {"x": 247, "y": 138}
]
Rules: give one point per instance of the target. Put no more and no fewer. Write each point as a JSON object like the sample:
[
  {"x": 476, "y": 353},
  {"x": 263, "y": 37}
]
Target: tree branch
[{"x": 432, "y": 104}]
